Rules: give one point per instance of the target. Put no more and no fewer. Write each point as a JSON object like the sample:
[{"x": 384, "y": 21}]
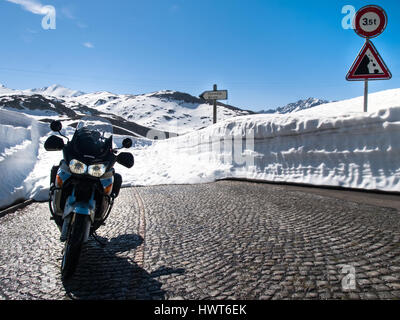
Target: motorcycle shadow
[{"x": 109, "y": 273}]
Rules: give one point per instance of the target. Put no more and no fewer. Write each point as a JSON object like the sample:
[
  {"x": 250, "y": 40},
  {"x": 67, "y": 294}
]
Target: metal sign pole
[
  {"x": 215, "y": 106},
  {"x": 366, "y": 88},
  {"x": 369, "y": 22},
  {"x": 365, "y": 95}
]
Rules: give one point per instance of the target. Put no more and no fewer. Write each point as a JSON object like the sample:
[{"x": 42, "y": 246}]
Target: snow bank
[
  {"x": 358, "y": 150},
  {"x": 376, "y": 101},
  {"x": 19, "y": 147},
  {"x": 325, "y": 145}
]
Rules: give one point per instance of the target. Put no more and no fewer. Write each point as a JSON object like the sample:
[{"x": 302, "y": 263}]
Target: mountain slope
[
  {"x": 297, "y": 106},
  {"x": 55, "y": 90},
  {"x": 165, "y": 110},
  {"x": 46, "y": 109}
]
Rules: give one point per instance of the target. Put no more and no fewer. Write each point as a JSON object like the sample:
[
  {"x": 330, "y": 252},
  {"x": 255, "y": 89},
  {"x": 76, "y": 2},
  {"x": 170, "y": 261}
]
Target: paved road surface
[{"x": 223, "y": 240}]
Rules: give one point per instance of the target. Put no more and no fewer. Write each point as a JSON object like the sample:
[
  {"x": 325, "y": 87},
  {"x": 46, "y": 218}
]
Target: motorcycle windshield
[
  {"x": 103, "y": 126},
  {"x": 93, "y": 137}
]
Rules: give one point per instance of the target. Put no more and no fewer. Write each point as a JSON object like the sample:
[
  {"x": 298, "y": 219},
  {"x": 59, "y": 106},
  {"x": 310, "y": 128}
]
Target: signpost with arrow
[
  {"x": 369, "y": 22},
  {"x": 215, "y": 95}
]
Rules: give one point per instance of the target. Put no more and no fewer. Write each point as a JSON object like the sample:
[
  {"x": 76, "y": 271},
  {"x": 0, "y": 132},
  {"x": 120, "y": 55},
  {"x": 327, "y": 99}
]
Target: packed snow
[
  {"x": 333, "y": 144},
  {"x": 355, "y": 151},
  {"x": 20, "y": 143},
  {"x": 376, "y": 101}
]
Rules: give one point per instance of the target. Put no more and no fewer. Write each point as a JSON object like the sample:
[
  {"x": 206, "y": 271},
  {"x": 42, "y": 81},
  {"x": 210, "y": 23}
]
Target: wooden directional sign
[
  {"x": 370, "y": 21},
  {"x": 215, "y": 95},
  {"x": 368, "y": 65}
]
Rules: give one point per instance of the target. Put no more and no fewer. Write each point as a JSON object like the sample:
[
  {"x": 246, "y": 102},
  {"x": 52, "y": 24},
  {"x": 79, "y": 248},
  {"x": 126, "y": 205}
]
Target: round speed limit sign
[{"x": 370, "y": 21}]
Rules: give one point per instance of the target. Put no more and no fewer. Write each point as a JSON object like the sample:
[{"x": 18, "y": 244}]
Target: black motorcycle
[{"x": 84, "y": 185}]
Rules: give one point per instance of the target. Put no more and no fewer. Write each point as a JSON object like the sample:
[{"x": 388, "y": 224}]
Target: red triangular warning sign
[{"x": 368, "y": 65}]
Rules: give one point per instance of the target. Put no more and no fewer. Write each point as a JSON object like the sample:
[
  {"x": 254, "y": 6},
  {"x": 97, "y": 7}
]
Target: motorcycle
[{"x": 84, "y": 185}]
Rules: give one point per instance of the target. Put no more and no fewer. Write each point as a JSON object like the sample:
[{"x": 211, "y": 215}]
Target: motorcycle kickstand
[{"x": 95, "y": 237}]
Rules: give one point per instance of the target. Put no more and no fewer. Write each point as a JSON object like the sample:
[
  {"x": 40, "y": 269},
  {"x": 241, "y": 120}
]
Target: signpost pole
[
  {"x": 215, "y": 106},
  {"x": 369, "y": 22},
  {"x": 365, "y": 95},
  {"x": 366, "y": 90},
  {"x": 213, "y": 96}
]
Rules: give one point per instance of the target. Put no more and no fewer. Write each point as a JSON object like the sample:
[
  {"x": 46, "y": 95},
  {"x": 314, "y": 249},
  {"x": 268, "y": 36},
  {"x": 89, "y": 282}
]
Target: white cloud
[
  {"x": 88, "y": 45},
  {"x": 32, "y": 6}
]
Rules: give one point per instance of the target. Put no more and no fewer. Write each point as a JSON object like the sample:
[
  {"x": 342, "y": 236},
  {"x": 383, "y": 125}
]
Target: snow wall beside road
[
  {"x": 19, "y": 147},
  {"x": 357, "y": 150}
]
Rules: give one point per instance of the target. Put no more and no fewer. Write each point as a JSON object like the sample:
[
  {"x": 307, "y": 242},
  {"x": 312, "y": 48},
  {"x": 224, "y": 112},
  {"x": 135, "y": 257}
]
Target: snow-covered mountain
[
  {"x": 166, "y": 110},
  {"x": 54, "y": 90},
  {"x": 297, "y": 106}
]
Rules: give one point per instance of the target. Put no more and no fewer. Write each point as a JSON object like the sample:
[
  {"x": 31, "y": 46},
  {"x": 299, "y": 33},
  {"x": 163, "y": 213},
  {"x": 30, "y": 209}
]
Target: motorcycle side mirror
[
  {"x": 56, "y": 125},
  {"x": 54, "y": 143},
  {"x": 126, "y": 159},
  {"x": 127, "y": 143}
]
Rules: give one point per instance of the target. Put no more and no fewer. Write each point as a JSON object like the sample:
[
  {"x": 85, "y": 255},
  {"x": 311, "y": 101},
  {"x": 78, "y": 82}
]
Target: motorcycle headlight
[
  {"x": 97, "y": 170},
  {"x": 77, "y": 166}
]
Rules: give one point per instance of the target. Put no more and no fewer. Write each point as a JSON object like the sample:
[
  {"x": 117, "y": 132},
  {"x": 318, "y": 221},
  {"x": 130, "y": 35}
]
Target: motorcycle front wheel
[{"x": 73, "y": 245}]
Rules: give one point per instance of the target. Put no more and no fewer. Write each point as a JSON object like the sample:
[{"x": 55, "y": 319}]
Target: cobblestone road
[{"x": 224, "y": 240}]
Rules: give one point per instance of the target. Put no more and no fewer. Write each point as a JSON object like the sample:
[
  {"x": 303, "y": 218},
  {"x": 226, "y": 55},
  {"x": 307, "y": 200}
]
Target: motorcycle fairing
[
  {"x": 63, "y": 172},
  {"x": 81, "y": 207},
  {"x": 107, "y": 182}
]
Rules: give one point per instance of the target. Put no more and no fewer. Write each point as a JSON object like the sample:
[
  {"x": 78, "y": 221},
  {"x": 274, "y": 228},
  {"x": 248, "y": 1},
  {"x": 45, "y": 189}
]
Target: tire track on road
[{"x": 139, "y": 255}]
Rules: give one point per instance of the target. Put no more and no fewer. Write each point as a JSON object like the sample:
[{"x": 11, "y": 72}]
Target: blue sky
[{"x": 266, "y": 53}]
